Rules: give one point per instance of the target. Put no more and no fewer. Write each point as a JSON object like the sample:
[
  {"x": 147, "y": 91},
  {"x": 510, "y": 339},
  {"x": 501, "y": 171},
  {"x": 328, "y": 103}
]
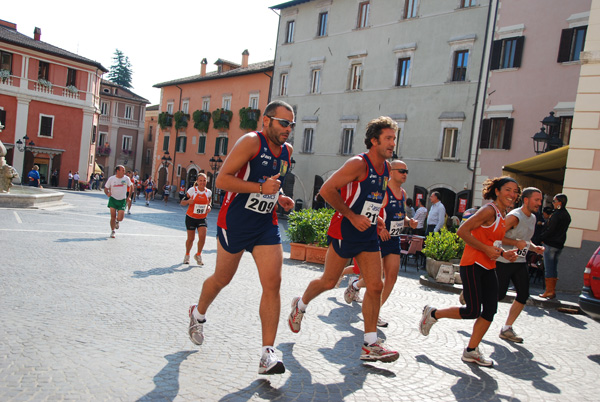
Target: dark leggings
[
  {"x": 480, "y": 288},
  {"x": 517, "y": 273}
]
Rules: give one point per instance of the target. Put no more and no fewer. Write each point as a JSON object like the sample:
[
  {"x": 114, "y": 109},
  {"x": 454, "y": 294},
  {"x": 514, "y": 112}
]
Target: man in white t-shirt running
[{"x": 116, "y": 189}]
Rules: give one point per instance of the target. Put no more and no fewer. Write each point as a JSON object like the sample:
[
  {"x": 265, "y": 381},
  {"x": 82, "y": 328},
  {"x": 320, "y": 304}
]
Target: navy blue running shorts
[
  {"x": 234, "y": 243},
  {"x": 346, "y": 249}
]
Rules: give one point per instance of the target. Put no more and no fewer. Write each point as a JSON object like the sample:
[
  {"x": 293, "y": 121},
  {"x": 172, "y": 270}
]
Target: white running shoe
[
  {"x": 475, "y": 356},
  {"x": 376, "y": 352},
  {"x": 295, "y": 318},
  {"x": 270, "y": 364},
  {"x": 112, "y": 234},
  {"x": 198, "y": 259},
  {"x": 427, "y": 320},
  {"x": 196, "y": 328},
  {"x": 186, "y": 259},
  {"x": 350, "y": 293},
  {"x": 382, "y": 323}
]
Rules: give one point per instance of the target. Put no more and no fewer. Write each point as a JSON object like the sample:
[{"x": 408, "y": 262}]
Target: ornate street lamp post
[
  {"x": 548, "y": 138},
  {"x": 22, "y": 147},
  {"x": 215, "y": 163}
]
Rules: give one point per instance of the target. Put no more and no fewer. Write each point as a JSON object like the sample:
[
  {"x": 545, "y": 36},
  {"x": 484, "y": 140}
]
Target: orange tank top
[
  {"x": 199, "y": 208},
  {"x": 487, "y": 235}
]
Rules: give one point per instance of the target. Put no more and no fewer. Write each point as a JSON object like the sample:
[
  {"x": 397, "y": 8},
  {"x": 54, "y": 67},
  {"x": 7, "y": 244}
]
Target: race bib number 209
[{"x": 262, "y": 203}]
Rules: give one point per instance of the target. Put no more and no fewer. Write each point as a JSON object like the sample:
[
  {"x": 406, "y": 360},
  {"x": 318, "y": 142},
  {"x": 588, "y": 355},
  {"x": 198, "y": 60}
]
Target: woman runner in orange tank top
[{"x": 480, "y": 284}]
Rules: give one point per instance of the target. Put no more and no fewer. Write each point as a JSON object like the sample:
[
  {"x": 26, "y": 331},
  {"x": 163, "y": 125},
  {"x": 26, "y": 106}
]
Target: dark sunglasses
[
  {"x": 284, "y": 123},
  {"x": 401, "y": 170}
]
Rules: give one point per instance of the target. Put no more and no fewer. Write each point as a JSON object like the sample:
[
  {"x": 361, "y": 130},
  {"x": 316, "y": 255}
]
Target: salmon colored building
[
  {"x": 150, "y": 124},
  {"x": 49, "y": 106},
  {"x": 201, "y": 117}
]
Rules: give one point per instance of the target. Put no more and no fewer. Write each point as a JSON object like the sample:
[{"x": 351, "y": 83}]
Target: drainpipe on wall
[
  {"x": 487, "y": 75},
  {"x": 176, "y": 134},
  {"x": 274, "y": 59}
]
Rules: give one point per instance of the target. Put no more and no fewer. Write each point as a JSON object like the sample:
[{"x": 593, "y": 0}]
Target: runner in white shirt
[{"x": 116, "y": 189}]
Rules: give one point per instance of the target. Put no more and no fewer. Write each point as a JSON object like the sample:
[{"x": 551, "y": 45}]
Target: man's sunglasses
[
  {"x": 401, "y": 170},
  {"x": 284, "y": 123}
]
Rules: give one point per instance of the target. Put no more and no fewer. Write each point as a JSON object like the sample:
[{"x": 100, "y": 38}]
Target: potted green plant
[
  {"x": 249, "y": 118},
  {"x": 181, "y": 120},
  {"x": 443, "y": 247},
  {"x": 201, "y": 120},
  {"x": 165, "y": 120},
  {"x": 221, "y": 118},
  {"x": 307, "y": 231}
]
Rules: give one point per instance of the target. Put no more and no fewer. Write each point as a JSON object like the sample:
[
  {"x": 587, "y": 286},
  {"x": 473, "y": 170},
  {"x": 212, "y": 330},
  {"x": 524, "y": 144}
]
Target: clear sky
[{"x": 164, "y": 40}]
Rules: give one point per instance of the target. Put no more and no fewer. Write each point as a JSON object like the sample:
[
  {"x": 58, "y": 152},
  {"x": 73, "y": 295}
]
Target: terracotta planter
[
  {"x": 298, "y": 251},
  {"x": 316, "y": 254}
]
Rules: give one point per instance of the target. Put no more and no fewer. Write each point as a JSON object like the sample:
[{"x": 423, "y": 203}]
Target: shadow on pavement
[
  {"x": 166, "y": 381},
  {"x": 162, "y": 271},
  {"x": 82, "y": 239}
]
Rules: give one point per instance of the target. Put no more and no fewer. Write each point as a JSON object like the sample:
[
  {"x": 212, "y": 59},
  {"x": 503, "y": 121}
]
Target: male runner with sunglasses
[
  {"x": 251, "y": 175},
  {"x": 356, "y": 192}
]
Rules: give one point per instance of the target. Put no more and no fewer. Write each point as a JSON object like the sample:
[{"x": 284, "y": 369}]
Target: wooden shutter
[
  {"x": 564, "y": 50},
  {"x": 484, "y": 139},
  {"x": 508, "y": 128},
  {"x": 184, "y": 139},
  {"x": 166, "y": 143},
  {"x": 519, "y": 51},
  {"x": 496, "y": 53}
]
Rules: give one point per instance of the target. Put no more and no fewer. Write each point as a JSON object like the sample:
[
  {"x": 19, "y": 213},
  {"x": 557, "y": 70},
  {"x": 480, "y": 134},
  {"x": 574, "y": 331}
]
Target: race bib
[
  {"x": 523, "y": 252},
  {"x": 262, "y": 203},
  {"x": 371, "y": 211},
  {"x": 200, "y": 209},
  {"x": 396, "y": 228},
  {"x": 498, "y": 243}
]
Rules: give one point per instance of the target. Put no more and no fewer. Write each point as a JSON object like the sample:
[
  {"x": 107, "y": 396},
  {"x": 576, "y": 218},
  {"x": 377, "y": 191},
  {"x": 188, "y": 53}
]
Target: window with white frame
[
  {"x": 104, "y": 108},
  {"x": 355, "y": 77},
  {"x": 449, "y": 143},
  {"x": 221, "y": 145},
  {"x": 507, "y": 52},
  {"x": 403, "y": 72},
  {"x": 571, "y": 43},
  {"x": 315, "y": 85},
  {"x": 468, "y": 3},
  {"x": 227, "y": 102},
  {"x": 180, "y": 143},
  {"x": 166, "y": 139},
  {"x": 46, "y": 126},
  {"x": 129, "y": 112},
  {"x": 102, "y": 139},
  {"x": 116, "y": 109},
  {"x": 185, "y": 106},
  {"x": 307, "y": 141},
  {"x": 253, "y": 101},
  {"x": 363, "y": 14},
  {"x": 202, "y": 144},
  {"x": 283, "y": 84},
  {"x": 410, "y": 8},
  {"x": 496, "y": 133},
  {"x": 170, "y": 107},
  {"x": 289, "y": 33},
  {"x": 459, "y": 65},
  {"x": 322, "y": 26},
  {"x": 347, "y": 140},
  {"x": 126, "y": 143},
  {"x": 205, "y": 104}
]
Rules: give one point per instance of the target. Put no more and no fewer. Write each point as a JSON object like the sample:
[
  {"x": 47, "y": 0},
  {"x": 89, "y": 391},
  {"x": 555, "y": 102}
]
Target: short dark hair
[
  {"x": 437, "y": 194},
  {"x": 562, "y": 198},
  {"x": 375, "y": 126},
  {"x": 529, "y": 191},
  {"x": 272, "y": 106},
  {"x": 422, "y": 202},
  {"x": 409, "y": 202},
  {"x": 548, "y": 210}
]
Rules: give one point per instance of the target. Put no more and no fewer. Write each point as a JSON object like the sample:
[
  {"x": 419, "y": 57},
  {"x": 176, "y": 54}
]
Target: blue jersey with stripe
[
  {"x": 248, "y": 212},
  {"x": 393, "y": 213}
]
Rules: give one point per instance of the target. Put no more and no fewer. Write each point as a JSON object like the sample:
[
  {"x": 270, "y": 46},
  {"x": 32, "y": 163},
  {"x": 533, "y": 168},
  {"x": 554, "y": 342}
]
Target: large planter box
[
  {"x": 298, "y": 251},
  {"x": 316, "y": 254}
]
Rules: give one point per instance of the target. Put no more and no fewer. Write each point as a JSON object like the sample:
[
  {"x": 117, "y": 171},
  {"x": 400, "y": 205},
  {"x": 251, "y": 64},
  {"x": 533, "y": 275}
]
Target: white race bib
[
  {"x": 396, "y": 228},
  {"x": 262, "y": 203},
  {"x": 523, "y": 253},
  {"x": 498, "y": 243},
  {"x": 200, "y": 209},
  {"x": 371, "y": 211}
]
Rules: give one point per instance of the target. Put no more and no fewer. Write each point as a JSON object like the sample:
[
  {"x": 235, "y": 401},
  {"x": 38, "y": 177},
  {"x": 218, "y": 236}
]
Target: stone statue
[{"x": 7, "y": 172}]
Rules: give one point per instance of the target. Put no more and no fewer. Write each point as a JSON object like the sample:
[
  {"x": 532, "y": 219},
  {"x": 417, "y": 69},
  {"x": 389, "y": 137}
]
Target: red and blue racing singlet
[
  {"x": 393, "y": 213},
  {"x": 363, "y": 198},
  {"x": 245, "y": 213}
]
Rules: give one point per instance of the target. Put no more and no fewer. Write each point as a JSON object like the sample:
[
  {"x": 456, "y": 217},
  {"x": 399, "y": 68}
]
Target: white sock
[
  {"x": 370, "y": 337},
  {"x": 301, "y": 305},
  {"x": 264, "y": 349},
  {"x": 197, "y": 315},
  {"x": 355, "y": 285},
  {"x": 505, "y": 327}
]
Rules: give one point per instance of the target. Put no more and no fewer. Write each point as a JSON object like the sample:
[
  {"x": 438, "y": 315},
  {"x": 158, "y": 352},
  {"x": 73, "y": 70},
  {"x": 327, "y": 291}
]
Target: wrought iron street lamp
[
  {"x": 215, "y": 163},
  {"x": 166, "y": 159},
  {"x": 548, "y": 138},
  {"x": 22, "y": 147}
]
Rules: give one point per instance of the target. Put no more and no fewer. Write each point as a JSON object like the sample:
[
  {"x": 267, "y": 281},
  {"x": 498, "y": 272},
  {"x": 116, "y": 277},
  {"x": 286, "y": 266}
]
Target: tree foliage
[{"x": 120, "y": 72}]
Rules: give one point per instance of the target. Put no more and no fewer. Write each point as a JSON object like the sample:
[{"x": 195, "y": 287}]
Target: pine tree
[{"x": 120, "y": 72}]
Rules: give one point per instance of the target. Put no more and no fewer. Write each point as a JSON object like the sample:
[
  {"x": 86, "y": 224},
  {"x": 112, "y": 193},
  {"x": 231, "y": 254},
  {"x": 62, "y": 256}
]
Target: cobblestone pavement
[{"x": 86, "y": 317}]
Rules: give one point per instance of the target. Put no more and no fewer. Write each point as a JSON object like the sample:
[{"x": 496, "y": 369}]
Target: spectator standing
[
  {"x": 420, "y": 216},
  {"x": 76, "y": 181},
  {"x": 34, "y": 177},
  {"x": 554, "y": 237},
  {"x": 437, "y": 214},
  {"x": 54, "y": 178},
  {"x": 70, "y": 183}
]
